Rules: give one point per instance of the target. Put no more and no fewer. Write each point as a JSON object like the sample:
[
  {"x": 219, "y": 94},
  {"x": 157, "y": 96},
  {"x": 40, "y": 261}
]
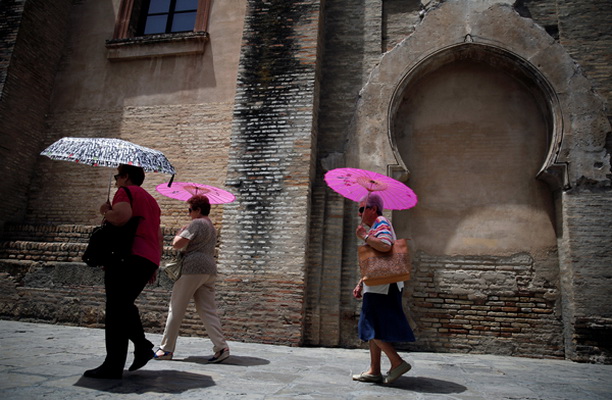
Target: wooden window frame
[
  {"x": 126, "y": 45},
  {"x": 171, "y": 14},
  {"x": 124, "y": 18}
]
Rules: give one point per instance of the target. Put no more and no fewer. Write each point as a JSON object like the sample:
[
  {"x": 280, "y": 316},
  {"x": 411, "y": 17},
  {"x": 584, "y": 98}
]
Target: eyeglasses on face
[{"x": 117, "y": 176}]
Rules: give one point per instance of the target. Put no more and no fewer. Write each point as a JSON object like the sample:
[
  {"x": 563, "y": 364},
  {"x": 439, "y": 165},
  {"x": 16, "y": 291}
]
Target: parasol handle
[
  {"x": 366, "y": 203},
  {"x": 171, "y": 180},
  {"x": 110, "y": 181}
]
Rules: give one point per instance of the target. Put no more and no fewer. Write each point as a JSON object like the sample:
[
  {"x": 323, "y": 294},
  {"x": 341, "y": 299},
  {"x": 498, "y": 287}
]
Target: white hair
[{"x": 374, "y": 200}]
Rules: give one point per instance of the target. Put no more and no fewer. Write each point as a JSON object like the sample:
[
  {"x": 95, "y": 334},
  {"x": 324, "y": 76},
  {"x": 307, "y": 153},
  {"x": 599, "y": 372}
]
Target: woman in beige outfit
[{"x": 197, "y": 243}]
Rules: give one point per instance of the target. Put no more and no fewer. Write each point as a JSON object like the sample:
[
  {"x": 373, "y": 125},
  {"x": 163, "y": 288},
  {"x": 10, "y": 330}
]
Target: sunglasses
[
  {"x": 361, "y": 209},
  {"x": 117, "y": 176},
  {"x": 190, "y": 209}
]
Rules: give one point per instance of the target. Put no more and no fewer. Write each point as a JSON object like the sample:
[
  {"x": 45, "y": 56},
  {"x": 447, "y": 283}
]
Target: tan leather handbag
[
  {"x": 378, "y": 268},
  {"x": 174, "y": 268}
]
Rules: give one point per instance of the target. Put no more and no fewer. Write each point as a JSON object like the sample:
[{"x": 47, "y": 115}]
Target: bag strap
[{"x": 129, "y": 194}]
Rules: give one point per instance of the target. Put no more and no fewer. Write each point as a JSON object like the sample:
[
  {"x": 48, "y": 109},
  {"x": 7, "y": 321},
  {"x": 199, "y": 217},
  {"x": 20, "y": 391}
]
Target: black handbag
[{"x": 110, "y": 244}]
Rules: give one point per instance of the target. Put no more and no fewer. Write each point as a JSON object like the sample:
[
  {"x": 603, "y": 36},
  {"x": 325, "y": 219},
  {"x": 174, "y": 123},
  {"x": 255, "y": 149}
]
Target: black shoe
[
  {"x": 141, "y": 359},
  {"x": 103, "y": 372}
]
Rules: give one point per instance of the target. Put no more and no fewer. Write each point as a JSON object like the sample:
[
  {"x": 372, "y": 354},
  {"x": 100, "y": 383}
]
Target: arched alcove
[{"x": 475, "y": 127}]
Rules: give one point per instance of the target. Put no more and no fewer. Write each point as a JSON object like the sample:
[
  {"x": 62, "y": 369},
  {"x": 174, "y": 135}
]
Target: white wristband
[{"x": 365, "y": 239}]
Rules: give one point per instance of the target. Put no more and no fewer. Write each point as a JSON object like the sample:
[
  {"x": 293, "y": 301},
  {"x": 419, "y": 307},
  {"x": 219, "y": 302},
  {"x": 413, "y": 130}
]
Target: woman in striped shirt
[{"x": 382, "y": 319}]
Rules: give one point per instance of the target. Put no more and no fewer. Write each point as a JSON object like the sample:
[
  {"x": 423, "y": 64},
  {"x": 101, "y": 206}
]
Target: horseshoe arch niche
[
  {"x": 479, "y": 124},
  {"x": 552, "y": 172}
]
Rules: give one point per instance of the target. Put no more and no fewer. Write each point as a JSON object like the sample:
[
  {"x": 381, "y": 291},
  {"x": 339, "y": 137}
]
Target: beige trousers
[{"x": 200, "y": 287}]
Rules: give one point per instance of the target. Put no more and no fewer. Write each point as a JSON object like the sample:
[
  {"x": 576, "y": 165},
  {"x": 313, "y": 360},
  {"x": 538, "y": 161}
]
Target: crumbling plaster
[{"x": 580, "y": 123}]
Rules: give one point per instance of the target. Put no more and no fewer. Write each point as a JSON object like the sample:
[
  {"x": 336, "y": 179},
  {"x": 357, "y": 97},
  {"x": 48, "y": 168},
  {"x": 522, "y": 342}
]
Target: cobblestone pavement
[{"x": 41, "y": 361}]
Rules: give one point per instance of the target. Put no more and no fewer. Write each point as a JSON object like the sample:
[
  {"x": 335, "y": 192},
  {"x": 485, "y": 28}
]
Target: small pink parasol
[
  {"x": 355, "y": 184},
  {"x": 185, "y": 190}
]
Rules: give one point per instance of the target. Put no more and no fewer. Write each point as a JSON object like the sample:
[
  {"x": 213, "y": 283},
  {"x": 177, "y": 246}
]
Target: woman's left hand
[
  {"x": 153, "y": 277},
  {"x": 357, "y": 290}
]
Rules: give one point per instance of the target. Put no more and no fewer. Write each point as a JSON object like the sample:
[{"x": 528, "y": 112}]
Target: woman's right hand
[
  {"x": 361, "y": 232},
  {"x": 106, "y": 207}
]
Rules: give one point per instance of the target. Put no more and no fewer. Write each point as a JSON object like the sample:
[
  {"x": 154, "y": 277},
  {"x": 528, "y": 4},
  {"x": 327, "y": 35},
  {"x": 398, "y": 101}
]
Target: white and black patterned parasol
[{"x": 108, "y": 152}]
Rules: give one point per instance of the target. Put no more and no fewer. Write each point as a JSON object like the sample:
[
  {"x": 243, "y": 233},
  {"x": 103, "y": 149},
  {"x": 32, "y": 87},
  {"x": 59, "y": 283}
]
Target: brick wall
[
  {"x": 330, "y": 313},
  {"x": 584, "y": 31},
  {"x": 586, "y": 245},
  {"x": 499, "y": 305},
  {"x": 399, "y": 20},
  {"x": 32, "y": 35},
  {"x": 194, "y": 137},
  {"x": 263, "y": 243},
  {"x": 586, "y": 253}
]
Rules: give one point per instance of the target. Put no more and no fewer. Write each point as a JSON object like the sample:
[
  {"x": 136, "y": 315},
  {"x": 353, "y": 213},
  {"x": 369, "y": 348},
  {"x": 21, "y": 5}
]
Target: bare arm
[
  {"x": 179, "y": 242},
  {"x": 373, "y": 241},
  {"x": 378, "y": 244}
]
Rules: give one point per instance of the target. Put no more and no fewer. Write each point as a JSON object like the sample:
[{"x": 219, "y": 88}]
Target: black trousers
[{"x": 123, "y": 283}]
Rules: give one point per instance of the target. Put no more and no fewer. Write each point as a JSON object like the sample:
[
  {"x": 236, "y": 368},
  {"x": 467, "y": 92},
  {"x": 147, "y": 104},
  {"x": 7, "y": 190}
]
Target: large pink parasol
[
  {"x": 185, "y": 190},
  {"x": 355, "y": 184}
]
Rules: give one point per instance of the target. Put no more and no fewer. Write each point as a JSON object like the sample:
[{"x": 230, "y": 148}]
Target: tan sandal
[{"x": 220, "y": 356}]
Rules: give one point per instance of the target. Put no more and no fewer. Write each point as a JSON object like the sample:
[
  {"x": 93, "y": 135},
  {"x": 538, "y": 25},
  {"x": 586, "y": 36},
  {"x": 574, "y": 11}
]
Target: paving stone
[{"x": 47, "y": 361}]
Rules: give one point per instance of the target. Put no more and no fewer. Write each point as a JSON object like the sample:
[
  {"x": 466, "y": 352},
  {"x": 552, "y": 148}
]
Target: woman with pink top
[{"x": 125, "y": 279}]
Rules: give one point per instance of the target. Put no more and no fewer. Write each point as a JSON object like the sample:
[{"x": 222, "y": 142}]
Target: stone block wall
[{"x": 76, "y": 298}]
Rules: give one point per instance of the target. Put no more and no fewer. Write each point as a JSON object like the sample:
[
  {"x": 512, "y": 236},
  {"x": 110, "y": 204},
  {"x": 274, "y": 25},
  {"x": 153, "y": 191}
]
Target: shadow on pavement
[
  {"x": 244, "y": 361},
  {"x": 427, "y": 385},
  {"x": 164, "y": 381}
]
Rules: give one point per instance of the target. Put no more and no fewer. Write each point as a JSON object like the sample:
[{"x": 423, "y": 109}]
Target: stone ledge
[{"x": 176, "y": 44}]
